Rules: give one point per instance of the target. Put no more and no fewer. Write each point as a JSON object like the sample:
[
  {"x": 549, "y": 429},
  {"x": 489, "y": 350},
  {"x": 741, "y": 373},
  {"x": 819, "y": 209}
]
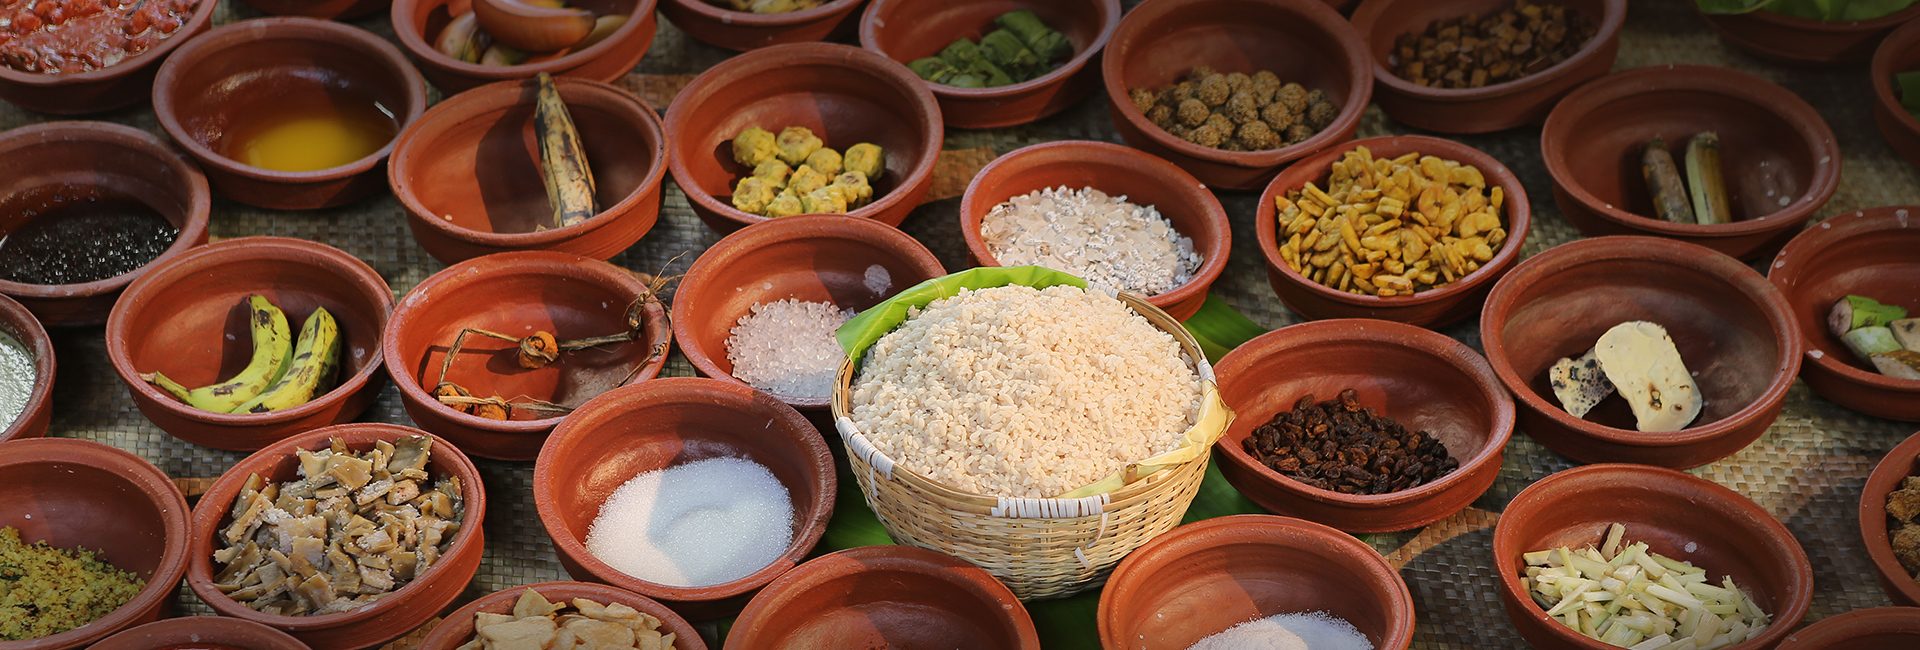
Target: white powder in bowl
[
  {"x": 787, "y": 347},
  {"x": 1101, "y": 238},
  {"x": 703, "y": 523},
  {"x": 1308, "y": 631}
]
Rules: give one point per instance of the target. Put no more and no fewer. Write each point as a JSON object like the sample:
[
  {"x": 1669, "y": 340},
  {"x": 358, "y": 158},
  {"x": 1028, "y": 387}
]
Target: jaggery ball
[
  {"x": 1316, "y": 97},
  {"x": 1232, "y": 145},
  {"x": 1278, "y": 117},
  {"x": 1206, "y": 136},
  {"x": 1193, "y": 112},
  {"x": 1294, "y": 97},
  {"x": 1242, "y": 108},
  {"x": 1214, "y": 90},
  {"x": 1181, "y": 92},
  {"x": 1298, "y": 133},
  {"x": 1179, "y": 130},
  {"x": 1160, "y": 116},
  {"x": 1238, "y": 81},
  {"x": 1144, "y": 99},
  {"x": 1222, "y": 124},
  {"x": 1202, "y": 72},
  {"x": 1321, "y": 114},
  {"x": 1266, "y": 79},
  {"x": 1257, "y": 136}
]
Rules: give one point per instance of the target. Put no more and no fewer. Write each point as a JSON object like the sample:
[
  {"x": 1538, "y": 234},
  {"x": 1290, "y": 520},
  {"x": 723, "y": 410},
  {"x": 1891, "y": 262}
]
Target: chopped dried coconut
[
  {"x": 788, "y": 347},
  {"x": 1103, "y": 239}
]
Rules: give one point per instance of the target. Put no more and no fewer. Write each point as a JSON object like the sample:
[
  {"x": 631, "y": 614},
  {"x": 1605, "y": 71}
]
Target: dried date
[{"x": 1342, "y": 446}]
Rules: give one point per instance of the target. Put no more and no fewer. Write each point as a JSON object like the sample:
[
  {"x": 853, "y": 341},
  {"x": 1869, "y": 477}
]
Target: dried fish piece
[{"x": 538, "y": 624}]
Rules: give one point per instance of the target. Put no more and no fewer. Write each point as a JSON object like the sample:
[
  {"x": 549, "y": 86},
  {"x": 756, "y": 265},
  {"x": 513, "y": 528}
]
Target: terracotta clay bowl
[
  {"x": 637, "y": 429},
  {"x": 1677, "y": 515},
  {"x": 468, "y": 172},
  {"x": 1781, "y": 161},
  {"x": 906, "y": 30},
  {"x": 457, "y": 628},
  {"x": 846, "y": 95},
  {"x": 203, "y": 630},
  {"x": 418, "y": 24},
  {"x": 188, "y": 319},
  {"x": 120, "y": 160},
  {"x": 322, "y": 9},
  {"x": 1145, "y": 180},
  {"x": 1301, "y": 41},
  {"x": 811, "y": 258},
  {"x": 1791, "y": 39},
  {"x": 124, "y": 84},
  {"x": 75, "y": 493},
  {"x": 1204, "y": 577},
  {"x": 570, "y": 296},
  {"x": 1734, "y": 331},
  {"x": 1901, "y": 462},
  {"x": 1869, "y": 252},
  {"x": 392, "y": 615},
  {"x": 280, "y": 65},
  {"x": 1421, "y": 379},
  {"x": 741, "y": 31},
  {"x": 885, "y": 596},
  {"x": 1880, "y": 627},
  {"x": 17, "y": 322},
  {"x": 1489, "y": 108},
  {"x": 1900, "y": 52},
  {"x": 1451, "y": 303}
]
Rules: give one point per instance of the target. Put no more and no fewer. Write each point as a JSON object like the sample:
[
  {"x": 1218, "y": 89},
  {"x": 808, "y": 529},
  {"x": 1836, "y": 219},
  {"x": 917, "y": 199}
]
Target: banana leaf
[
  {"x": 1006, "y": 51},
  {"x": 1220, "y": 329},
  {"x": 860, "y": 332},
  {"x": 1826, "y": 10},
  {"x": 1043, "y": 40},
  {"x": 1908, "y": 84},
  {"x": 961, "y": 53},
  {"x": 932, "y": 68}
]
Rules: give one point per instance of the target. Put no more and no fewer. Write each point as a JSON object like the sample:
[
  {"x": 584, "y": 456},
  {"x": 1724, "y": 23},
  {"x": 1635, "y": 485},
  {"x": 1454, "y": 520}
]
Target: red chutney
[{"x": 70, "y": 36}]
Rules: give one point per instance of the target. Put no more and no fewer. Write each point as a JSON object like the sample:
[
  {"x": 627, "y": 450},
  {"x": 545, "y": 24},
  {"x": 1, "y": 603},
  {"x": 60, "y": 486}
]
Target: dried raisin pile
[
  {"x": 1475, "y": 50},
  {"x": 1342, "y": 446}
]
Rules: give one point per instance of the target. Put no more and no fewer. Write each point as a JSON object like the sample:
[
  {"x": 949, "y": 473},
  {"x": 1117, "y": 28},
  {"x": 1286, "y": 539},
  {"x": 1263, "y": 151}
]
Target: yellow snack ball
[
  {"x": 806, "y": 179},
  {"x": 825, "y": 161},
  {"x": 752, "y": 194},
  {"x": 774, "y": 171},
  {"x": 866, "y": 158},
  {"x": 825, "y": 200},
  {"x": 785, "y": 205},
  {"x": 753, "y": 146},
  {"x": 853, "y": 188},
  {"x": 795, "y": 143}
]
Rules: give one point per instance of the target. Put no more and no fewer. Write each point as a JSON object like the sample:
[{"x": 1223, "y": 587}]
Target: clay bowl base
[
  {"x": 1868, "y": 252},
  {"x": 201, "y": 631},
  {"x": 1880, "y": 627},
  {"x": 457, "y": 628},
  {"x": 885, "y": 596}
]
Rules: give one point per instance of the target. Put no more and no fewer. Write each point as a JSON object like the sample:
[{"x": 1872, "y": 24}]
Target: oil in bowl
[
  {"x": 312, "y": 137},
  {"x": 75, "y": 234}
]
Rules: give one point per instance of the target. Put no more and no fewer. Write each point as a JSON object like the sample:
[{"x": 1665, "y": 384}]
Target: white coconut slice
[
  {"x": 1579, "y": 383},
  {"x": 1907, "y": 332},
  {"x": 1643, "y": 364}
]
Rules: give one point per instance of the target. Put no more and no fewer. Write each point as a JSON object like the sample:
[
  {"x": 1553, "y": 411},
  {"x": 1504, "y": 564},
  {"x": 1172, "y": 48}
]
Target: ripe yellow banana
[
  {"x": 314, "y": 362},
  {"x": 272, "y": 355}
]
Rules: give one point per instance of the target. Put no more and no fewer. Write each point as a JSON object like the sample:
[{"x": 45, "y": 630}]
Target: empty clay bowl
[
  {"x": 519, "y": 293},
  {"x": 1448, "y": 304},
  {"x": 1880, "y": 627},
  {"x": 205, "y": 631},
  {"x": 226, "y": 83},
  {"x": 885, "y": 597},
  {"x": 1734, "y": 331},
  {"x": 123, "y": 84},
  {"x": 189, "y": 320},
  {"x": 75, "y": 493},
  {"x": 418, "y": 24},
  {"x": 810, "y": 258},
  {"x": 1488, "y": 108},
  {"x": 468, "y": 172},
  {"x": 1867, "y": 252},
  {"x": 1677, "y": 515},
  {"x": 388, "y": 618},
  {"x": 457, "y": 628},
  {"x": 119, "y": 160},
  {"x": 31, "y": 421},
  {"x": 846, "y": 95},
  {"x": 322, "y": 9},
  {"x": 1301, "y": 41},
  {"x": 1422, "y": 380},
  {"x": 1207, "y": 576},
  {"x": 1899, "y": 53},
  {"x": 1118, "y": 171},
  {"x": 713, "y": 24},
  {"x": 1781, "y": 162},
  {"x": 1791, "y": 39},
  {"x": 906, "y": 30},
  {"x": 1900, "y": 462},
  {"x": 666, "y": 422}
]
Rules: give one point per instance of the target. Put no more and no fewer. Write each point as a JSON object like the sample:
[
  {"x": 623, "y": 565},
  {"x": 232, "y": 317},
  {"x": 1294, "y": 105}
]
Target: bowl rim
[
  {"x": 672, "y": 390},
  {"x": 1211, "y": 214},
  {"x": 1783, "y": 275},
  {"x": 1884, "y": 479},
  {"x": 190, "y": 28},
  {"x": 965, "y": 576},
  {"x": 1383, "y": 333},
  {"x": 1612, "y": 18},
  {"x": 191, "y": 623},
  {"x": 1894, "y": 19},
  {"x": 1320, "y": 17},
  {"x": 746, "y": 242},
  {"x": 412, "y": 36},
  {"x": 339, "y": 262},
  {"x": 488, "y": 100},
  {"x": 1903, "y": 38},
  {"x": 1775, "y": 99},
  {"x": 193, "y": 227},
  {"x": 1109, "y": 13},
  {"x": 852, "y": 59},
  {"x": 32, "y": 335},
  {"x": 159, "y": 491},
  {"x": 1519, "y": 219},
  {"x": 274, "y": 28},
  {"x": 439, "y": 637},
  {"x": 750, "y": 20},
  {"x": 1635, "y": 248},
  {"x": 1873, "y": 620}
]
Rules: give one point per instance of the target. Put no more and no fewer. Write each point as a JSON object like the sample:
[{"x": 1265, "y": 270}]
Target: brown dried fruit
[
  {"x": 1298, "y": 133},
  {"x": 1278, "y": 117},
  {"x": 1293, "y": 96},
  {"x": 1214, "y": 90},
  {"x": 1238, "y": 81},
  {"x": 1143, "y": 98},
  {"x": 1500, "y": 46},
  {"x": 1202, "y": 72},
  {"x": 538, "y": 350},
  {"x": 1206, "y": 136},
  {"x": 1257, "y": 136},
  {"x": 1242, "y": 108},
  {"x": 1181, "y": 92},
  {"x": 1322, "y": 114},
  {"x": 1342, "y": 446},
  {"x": 1161, "y": 116},
  {"x": 1222, "y": 124},
  {"x": 1193, "y": 113}
]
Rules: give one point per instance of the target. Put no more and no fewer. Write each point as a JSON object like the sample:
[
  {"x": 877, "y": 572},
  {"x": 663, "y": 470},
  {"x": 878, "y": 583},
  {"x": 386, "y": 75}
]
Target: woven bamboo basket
[{"x": 1041, "y": 548}]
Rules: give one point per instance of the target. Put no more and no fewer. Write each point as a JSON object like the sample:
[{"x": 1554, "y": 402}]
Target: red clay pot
[
  {"x": 1900, "y": 52},
  {"x": 673, "y": 421},
  {"x": 1900, "y": 462},
  {"x": 468, "y": 172},
  {"x": 1302, "y": 41},
  {"x": 571, "y": 296},
  {"x": 1678, "y": 515},
  {"x": 1116, "y": 170},
  {"x": 388, "y": 618},
  {"x": 1734, "y": 331},
  {"x": 457, "y": 628},
  {"x": 276, "y": 64},
  {"x": 322, "y": 9},
  {"x": 1782, "y": 162},
  {"x": 201, "y": 631},
  {"x": 812, "y": 258},
  {"x": 883, "y": 597},
  {"x": 846, "y": 95},
  {"x": 1490, "y": 108},
  {"x": 1880, "y": 627},
  {"x": 1421, "y": 379},
  {"x": 17, "y": 322},
  {"x": 905, "y": 30},
  {"x": 124, "y": 84},
  {"x": 418, "y": 23},
  {"x": 75, "y": 493},
  {"x": 1207, "y": 576},
  {"x": 117, "y": 158},
  {"x": 1869, "y": 252},
  {"x": 741, "y": 31},
  {"x": 1790, "y": 39},
  {"x": 189, "y": 320},
  {"x": 1433, "y": 308}
]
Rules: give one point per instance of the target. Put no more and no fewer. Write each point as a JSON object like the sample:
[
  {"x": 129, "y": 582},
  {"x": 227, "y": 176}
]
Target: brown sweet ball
[
  {"x": 1179, "y": 130},
  {"x": 1214, "y": 90},
  {"x": 1193, "y": 112},
  {"x": 1143, "y": 98},
  {"x": 1233, "y": 145},
  {"x": 1266, "y": 79},
  {"x": 1294, "y": 97},
  {"x": 1202, "y": 72},
  {"x": 1181, "y": 92},
  {"x": 1321, "y": 114},
  {"x": 1238, "y": 81},
  {"x": 1160, "y": 116},
  {"x": 1317, "y": 96},
  {"x": 1278, "y": 117},
  {"x": 1242, "y": 108},
  {"x": 1262, "y": 95},
  {"x": 1257, "y": 136},
  {"x": 1298, "y": 133},
  {"x": 1222, "y": 124},
  {"x": 1206, "y": 136}
]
